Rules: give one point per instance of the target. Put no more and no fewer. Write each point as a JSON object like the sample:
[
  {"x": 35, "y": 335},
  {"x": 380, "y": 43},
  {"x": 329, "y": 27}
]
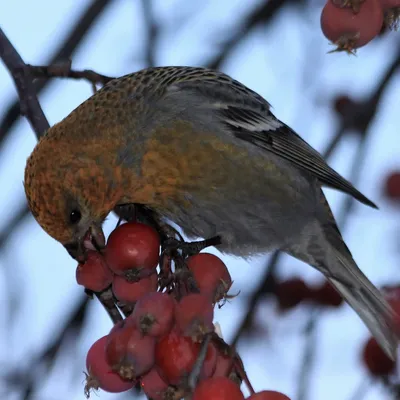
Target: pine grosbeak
[{"x": 204, "y": 151}]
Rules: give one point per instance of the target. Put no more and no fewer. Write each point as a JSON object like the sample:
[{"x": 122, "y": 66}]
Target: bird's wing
[{"x": 248, "y": 117}]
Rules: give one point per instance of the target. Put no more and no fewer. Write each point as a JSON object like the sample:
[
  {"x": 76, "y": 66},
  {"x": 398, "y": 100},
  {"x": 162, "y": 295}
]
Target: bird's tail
[
  {"x": 367, "y": 301},
  {"x": 323, "y": 247}
]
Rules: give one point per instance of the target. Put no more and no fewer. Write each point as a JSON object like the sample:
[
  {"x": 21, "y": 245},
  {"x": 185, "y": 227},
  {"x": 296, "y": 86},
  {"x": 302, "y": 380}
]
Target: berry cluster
[
  {"x": 166, "y": 344},
  {"x": 351, "y": 24}
]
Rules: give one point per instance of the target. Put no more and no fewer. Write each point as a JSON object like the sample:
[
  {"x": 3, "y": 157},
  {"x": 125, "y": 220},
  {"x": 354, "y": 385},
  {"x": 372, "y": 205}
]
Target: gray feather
[{"x": 248, "y": 117}]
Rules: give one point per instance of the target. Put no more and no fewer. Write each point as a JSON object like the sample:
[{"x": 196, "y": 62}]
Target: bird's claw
[{"x": 189, "y": 248}]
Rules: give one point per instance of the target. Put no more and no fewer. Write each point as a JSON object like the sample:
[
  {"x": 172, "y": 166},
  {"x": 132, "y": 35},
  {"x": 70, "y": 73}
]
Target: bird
[{"x": 200, "y": 149}]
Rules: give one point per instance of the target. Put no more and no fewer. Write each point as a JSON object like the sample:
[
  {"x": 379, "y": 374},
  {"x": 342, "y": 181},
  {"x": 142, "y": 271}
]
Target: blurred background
[{"x": 345, "y": 106}]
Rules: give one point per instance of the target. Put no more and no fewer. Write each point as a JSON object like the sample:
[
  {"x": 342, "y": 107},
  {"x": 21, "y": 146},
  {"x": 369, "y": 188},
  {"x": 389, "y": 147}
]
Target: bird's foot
[{"x": 189, "y": 248}]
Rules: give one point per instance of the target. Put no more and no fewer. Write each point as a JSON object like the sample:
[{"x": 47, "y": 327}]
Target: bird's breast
[{"x": 209, "y": 186}]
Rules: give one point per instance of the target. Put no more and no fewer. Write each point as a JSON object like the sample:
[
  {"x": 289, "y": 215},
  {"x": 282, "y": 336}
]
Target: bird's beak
[{"x": 94, "y": 239}]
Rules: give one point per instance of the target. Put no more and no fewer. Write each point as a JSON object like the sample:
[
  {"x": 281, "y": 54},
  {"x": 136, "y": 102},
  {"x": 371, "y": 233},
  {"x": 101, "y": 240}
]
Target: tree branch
[
  {"x": 20, "y": 73},
  {"x": 152, "y": 31}
]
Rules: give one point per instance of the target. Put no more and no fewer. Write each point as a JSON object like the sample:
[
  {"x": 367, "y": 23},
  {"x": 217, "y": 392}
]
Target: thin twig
[
  {"x": 362, "y": 389},
  {"x": 356, "y": 169},
  {"x": 265, "y": 287},
  {"x": 198, "y": 365},
  {"x": 18, "y": 218},
  {"x": 106, "y": 299},
  {"x": 64, "y": 70},
  {"x": 308, "y": 358}
]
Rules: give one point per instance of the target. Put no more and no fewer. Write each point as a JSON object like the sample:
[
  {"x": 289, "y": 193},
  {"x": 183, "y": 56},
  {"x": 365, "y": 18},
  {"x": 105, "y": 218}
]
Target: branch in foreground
[{"x": 20, "y": 73}]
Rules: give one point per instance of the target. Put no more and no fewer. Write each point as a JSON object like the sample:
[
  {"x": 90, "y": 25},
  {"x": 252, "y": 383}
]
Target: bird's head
[{"x": 70, "y": 193}]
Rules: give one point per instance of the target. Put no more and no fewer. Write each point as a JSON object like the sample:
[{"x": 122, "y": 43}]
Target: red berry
[
  {"x": 211, "y": 275},
  {"x": 326, "y": 295},
  {"x": 100, "y": 374},
  {"x": 395, "y": 304},
  {"x": 291, "y": 293},
  {"x": 153, "y": 385},
  {"x": 94, "y": 274},
  {"x": 392, "y": 187},
  {"x": 349, "y": 30},
  {"x": 130, "y": 292},
  {"x": 217, "y": 388},
  {"x": 224, "y": 365},
  {"x": 268, "y": 395},
  {"x": 343, "y": 104},
  {"x": 376, "y": 361},
  {"x": 132, "y": 246},
  {"x": 176, "y": 355},
  {"x": 194, "y": 316},
  {"x": 154, "y": 314},
  {"x": 129, "y": 353}
]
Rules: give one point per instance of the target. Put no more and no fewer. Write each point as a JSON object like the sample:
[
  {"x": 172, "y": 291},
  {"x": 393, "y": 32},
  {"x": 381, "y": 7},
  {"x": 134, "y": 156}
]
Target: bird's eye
[{"x": 75, "y": 216}]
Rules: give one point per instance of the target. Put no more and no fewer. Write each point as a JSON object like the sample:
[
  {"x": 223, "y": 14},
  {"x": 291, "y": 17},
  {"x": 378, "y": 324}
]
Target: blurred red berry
[
  {"x": 392, "y": 186},
  {"x": 130, "y": 292},
  {"x": 153, "y": 385},
  {"x": 94, "y": 274},
  {"x": 343, "y": 104},
  {"x": 217, "y": 388},
  {"x": 349, "y": 30},
  {"x": 194, "y": 316},
  {"x": 129, "y": 353},
  {"x": 132, "y": 246},
  {"x": 395, "y": 304},
  {"x": 154, "y": 314},
  {"x": 268, "y": 395},
  {"x": 211, "y": 275},
  {"x": 376, "y": 361},
  {"x": 176, "y": 355},
  {"x": 326, "y": 295},
  {"x": 100, "y": 374},
  {"x": 291, "y": 293}
]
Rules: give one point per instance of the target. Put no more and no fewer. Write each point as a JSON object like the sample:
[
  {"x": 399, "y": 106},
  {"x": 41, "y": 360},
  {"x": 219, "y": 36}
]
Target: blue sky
[{"x": 288, "y": 64}]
